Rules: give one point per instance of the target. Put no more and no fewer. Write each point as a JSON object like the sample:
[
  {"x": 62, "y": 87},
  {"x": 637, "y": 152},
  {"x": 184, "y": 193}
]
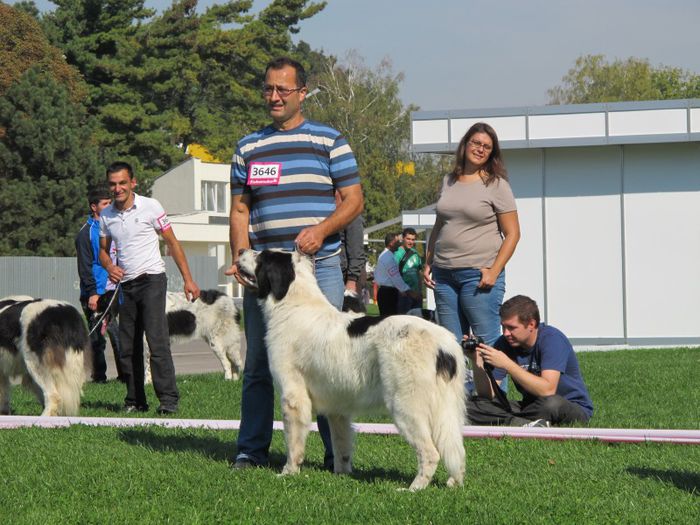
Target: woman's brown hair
[{"x": 494, "y": 166}]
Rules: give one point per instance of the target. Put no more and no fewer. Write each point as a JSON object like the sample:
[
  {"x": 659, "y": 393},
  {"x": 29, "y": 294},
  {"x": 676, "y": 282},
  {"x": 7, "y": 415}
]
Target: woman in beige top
[{"x": 475, "y": 234}]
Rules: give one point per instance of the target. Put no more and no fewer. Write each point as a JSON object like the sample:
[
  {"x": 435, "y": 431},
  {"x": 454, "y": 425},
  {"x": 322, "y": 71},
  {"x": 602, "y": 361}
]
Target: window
[{"x": 214, "y": 196}]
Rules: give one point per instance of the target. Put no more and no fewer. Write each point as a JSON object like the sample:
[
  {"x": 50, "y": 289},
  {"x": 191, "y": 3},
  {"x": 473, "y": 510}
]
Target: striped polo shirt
[{"x": 304, "y": 166}]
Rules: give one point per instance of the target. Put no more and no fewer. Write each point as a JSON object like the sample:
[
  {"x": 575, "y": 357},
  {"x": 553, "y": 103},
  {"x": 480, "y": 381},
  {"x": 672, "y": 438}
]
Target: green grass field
[{"x": 156, "y": 475}]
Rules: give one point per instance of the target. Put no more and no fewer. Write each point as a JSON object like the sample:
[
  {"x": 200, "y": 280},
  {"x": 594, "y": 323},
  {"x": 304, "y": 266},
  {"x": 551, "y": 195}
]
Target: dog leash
[{"x": 109, "y": 306}]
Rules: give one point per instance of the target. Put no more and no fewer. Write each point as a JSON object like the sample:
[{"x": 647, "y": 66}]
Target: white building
[
  {"x": 609, "y": 203},
  {"x": 197, "y": 197}
]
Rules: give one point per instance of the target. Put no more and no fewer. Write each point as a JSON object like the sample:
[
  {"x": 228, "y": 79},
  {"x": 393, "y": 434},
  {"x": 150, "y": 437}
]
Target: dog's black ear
[{"x": 274, "y": 274}]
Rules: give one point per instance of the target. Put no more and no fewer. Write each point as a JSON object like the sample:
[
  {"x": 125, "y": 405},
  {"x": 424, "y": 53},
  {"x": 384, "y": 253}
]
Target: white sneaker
[{"x": 538, "y": 423}]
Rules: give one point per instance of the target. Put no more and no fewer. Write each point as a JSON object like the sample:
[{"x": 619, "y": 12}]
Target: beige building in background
[{"x": 197, "y": 197}]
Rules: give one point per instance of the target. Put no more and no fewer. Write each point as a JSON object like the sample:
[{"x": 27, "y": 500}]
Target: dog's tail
[
  {"x": 449, "y": 413},
  {"x": 69, "y": 380}
]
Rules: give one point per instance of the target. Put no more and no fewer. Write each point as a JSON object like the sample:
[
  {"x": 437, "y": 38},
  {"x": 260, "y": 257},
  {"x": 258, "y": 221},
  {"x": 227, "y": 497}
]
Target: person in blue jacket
[{"x": 94, "y": 283}]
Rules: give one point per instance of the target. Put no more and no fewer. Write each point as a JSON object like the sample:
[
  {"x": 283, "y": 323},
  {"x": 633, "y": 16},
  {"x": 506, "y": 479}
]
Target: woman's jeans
[{"x": 462, "y": 307}]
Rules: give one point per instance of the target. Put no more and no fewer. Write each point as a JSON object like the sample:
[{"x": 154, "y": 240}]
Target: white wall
[
  {"x": 525, "y": 271},
  {"x": 174, "y": 189},
  {"x": 610, "y": 245},
  {"x": 584, "y": 247},
  {"x": 662, "y": 238}
]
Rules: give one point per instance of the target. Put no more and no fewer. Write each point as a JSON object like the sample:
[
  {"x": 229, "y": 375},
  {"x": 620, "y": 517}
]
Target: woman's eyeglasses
[{"x": 473, "y": 143}]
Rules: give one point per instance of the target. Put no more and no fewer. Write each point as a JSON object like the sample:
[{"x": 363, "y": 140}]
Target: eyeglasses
[
  {"x": 478, "y": 145},
  {"x": 281, "y": 91}
]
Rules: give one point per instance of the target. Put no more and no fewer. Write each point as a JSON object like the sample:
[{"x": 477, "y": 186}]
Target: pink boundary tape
[{"x": 612, "y": 435}]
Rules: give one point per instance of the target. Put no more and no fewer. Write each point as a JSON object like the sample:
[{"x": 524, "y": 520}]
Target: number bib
[{"x": 264, "y": 173}]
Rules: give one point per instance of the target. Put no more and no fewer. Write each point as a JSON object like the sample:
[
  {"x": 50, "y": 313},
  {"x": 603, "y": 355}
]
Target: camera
[{"x": 471, "y": 343}]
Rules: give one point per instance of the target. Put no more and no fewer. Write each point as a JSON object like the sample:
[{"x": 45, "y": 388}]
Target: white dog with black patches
[
  {"x": 46, "y": 343},
  {"x": 213, "y": 318},
  {"x": 340, "y": 364}
]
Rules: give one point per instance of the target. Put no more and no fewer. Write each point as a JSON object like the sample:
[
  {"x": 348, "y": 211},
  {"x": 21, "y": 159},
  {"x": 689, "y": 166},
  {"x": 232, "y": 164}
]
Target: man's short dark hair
[
  {"x": 409, "y": 231},
  {"x": 119, "y": 166},
  {"x": 280, "y": 62},
  {"x": 98, "y": 193},
  {"x": 525, "y": 308},
  {"x": 389, "y": 238}
]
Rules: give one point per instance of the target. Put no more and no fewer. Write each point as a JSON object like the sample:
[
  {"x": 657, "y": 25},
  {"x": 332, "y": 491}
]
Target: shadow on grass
[
  {"x": 374, "y": 474},
  {"x": 102, "y": 405},
  {"x": 365, "y": 475},
  {"x": 219, "y": 450},
  {"x": 684, "y": 480},
  {"x": 209, "y": 447}
]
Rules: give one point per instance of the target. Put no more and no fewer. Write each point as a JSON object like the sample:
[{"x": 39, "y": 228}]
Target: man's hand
[
  {"x": 493, "y": 357},
  {"x": 234, "y": 272},
  {"x": 115, "y": 273},
  {"x": 92, "y": 302},
  {"x": 351, "y": 285},
  {"x": 191, "y": 290},
  {"x": 310, "y": 239}
]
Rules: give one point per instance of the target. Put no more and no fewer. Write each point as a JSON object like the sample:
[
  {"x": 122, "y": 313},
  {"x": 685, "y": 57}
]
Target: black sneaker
[
  {"x": 244, "y": 463},
  {"x": 166, "y": 411}
]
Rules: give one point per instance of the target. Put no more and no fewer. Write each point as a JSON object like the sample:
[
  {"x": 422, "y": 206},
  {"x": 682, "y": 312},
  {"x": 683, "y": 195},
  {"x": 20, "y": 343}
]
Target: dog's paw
[
  {"x": 289, "y": 470},
  {"x": 452, "y": 482}
]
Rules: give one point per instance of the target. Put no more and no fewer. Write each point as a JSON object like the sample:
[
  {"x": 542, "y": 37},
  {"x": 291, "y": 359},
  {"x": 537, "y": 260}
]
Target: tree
[
  {"x": 159, "y": 83},
  {"x": 422, "y": 187},
  {"x": 47, "y": 161},
  {"x": 364, "y": 105},
  {"x": 24, "y": 45},
  {"x": 593, "y": 79}
]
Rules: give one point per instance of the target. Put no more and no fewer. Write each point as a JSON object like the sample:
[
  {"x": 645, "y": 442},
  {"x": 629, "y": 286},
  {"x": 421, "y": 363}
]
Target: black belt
[{"x": 138, "y": 279}]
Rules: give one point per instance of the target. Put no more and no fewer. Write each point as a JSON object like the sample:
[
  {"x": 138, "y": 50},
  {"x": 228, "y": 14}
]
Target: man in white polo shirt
[{"x": 133, "y": 223}]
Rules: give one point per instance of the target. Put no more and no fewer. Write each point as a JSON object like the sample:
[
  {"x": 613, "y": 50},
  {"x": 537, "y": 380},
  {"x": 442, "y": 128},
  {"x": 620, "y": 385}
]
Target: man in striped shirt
[{"x": 283, "y": 180}]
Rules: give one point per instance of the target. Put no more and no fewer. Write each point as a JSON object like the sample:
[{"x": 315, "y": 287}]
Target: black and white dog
[
  {"x": 213, "y": 318},
  {"x": 342, "y": 363},
  {"x": 46, "y": 343}
]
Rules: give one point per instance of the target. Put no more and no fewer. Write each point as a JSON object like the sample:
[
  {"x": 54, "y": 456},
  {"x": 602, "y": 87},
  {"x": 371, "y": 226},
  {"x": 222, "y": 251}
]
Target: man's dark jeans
[
  {"x": 98, "y": 343},
  {"x": 555, "y": 409},
  {"x": 143, "y": 310}
]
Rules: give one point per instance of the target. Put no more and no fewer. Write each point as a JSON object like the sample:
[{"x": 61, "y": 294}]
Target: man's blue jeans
[{"x": 257, "y": 403}]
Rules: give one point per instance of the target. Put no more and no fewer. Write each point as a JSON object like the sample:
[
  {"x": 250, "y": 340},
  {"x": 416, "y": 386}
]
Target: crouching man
[{"x": 540, "y": 361}]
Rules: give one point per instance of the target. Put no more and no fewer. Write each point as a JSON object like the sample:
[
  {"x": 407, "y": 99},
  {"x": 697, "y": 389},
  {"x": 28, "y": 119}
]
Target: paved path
[{"x": 189, "y": 358}]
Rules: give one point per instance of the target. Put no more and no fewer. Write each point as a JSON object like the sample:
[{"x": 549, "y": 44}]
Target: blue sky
[{"x": 459, "y": 54}]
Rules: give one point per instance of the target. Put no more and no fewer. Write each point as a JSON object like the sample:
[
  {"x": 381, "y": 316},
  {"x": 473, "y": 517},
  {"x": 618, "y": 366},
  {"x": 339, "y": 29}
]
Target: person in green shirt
[{"x": 410, "y": 266}]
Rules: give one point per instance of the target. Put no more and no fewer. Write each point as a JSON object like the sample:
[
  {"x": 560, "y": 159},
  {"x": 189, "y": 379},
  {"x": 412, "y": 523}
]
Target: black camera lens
[{"x": 471, "y": 343}]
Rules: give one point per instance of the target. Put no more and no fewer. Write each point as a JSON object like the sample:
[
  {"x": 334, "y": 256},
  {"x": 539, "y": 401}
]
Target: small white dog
[
  {"x": 340, "y": 364},
  {"x": 46, "y": 343}
]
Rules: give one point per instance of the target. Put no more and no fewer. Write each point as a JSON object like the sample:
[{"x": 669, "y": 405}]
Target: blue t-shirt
[
  {"x": 552, "y": 351},
  {"x": 305, "y": 165}
]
